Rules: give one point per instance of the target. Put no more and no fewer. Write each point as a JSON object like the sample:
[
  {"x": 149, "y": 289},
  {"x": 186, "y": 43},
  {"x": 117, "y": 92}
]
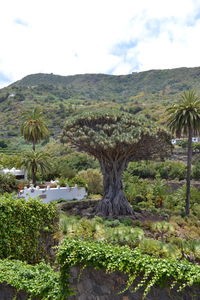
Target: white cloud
[{"x": 75, "y": 36}]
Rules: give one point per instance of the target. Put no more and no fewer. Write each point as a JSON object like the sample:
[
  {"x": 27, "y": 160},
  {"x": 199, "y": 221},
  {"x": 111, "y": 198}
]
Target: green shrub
[
  {"x": 25, "y": 226},
  {"x": 83, "y": 228},
  {"x": 8, "y": 183},
  {"x": 125, "y": 235},
  {"x": 148, "y": 169},
  {"x": 62, "y": 181},
  {"x": 80, "y": 161},
  {"x": 196, "y": 169},
  {"x": 94, "y": 180},
  {"x": 37, "y": 281},
  {"x": 77, "y": 180},
  {"x": 164, "y": 229},
  {"x": 142, "y": 169},
  {"x": 126, "y": 221},
  {"x": 112, "y": 223},
  {"x": 171, "y": 170}
]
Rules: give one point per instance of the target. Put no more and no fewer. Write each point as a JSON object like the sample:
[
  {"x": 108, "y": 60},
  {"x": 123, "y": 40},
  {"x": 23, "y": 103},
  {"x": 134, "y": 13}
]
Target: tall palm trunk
[
  {"x": 188, "y": 176},
  {"x": 33, "y": 171}
]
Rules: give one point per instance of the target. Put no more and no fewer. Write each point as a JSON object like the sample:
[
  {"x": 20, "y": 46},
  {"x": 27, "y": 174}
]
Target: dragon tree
[{"x": 116, "y": 138}]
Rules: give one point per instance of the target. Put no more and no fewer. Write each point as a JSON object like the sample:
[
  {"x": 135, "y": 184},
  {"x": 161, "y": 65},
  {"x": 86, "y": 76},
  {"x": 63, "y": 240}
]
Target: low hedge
[{"x": 37, "y": 281}]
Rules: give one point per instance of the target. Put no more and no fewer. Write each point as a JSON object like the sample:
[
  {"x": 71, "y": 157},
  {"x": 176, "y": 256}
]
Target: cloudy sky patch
[{"x": 97, "y": 36}]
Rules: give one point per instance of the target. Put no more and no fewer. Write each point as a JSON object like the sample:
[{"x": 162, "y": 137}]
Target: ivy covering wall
[
  {"x": 148, "y": 269},
  {"x": 42, "y": 281}
]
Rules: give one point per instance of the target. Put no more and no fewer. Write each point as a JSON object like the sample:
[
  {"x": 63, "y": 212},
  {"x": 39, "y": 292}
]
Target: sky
[{"x": 68, "y": 37}]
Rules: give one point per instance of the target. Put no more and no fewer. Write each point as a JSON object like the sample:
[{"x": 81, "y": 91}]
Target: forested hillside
[{"x": 145, "y": 93}]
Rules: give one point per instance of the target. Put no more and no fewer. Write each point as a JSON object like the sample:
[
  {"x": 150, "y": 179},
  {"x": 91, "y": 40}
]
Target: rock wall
[
  {"x": 97, "y": 285},
  {"x": 7, "y": 292}
]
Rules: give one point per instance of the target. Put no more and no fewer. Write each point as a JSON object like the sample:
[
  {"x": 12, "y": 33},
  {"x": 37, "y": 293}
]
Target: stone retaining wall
[{"x": 97, "y": 285}]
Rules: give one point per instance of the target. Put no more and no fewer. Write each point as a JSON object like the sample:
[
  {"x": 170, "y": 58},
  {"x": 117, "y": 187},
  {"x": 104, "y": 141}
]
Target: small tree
[
  {"x": 116, "y": 138},
  {"x": 35, "y": 161},
  {"x": 33, "y": 127},
  {"x": 184, "y": 119}
]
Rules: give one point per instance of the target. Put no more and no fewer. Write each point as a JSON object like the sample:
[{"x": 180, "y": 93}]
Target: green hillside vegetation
[{"x": 145, "y": 93}]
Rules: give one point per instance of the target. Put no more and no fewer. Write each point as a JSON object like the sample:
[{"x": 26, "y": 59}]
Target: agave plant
[{"x": 163, "y": 229}]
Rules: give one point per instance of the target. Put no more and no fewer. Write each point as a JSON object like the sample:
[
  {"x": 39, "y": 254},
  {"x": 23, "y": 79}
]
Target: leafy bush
[
  {"x": 8, "y": 183},
  {"x": 94, "y": 180},
  {"x": 62, "y": 181},
  {"x": 25, "y": 226},
  {"x": 81, "y": 161},
  {"x": 166, "y": 170},
  {"x": 124, "y": 235},
  {"x": 142, "y": 169},
  {"x": 196, "y": 169},
  {"x": 163, "y": 229},
  {"x": 77, "y": 180},
  {"x": 171, "y": 170},
  {"x": 82, "y": 228},
  {"x": 37, "y": 281}
]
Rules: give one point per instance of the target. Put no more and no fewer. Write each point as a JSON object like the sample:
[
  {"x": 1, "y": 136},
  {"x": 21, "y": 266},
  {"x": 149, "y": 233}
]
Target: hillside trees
[
  {"x": 184, "y": 119},
  {"x": 116, "y": 138}
]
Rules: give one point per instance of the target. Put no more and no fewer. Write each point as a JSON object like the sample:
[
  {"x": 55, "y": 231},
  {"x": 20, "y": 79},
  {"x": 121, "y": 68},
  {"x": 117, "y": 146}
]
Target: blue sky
[{"x": 69, "y": 37}]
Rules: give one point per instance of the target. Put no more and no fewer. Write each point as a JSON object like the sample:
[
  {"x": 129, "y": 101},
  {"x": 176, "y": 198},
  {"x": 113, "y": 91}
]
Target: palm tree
[
  {"x": 184, "y": 119},
  {"x": 33, "y": 127},
  {"x": 34, "y": 161}
]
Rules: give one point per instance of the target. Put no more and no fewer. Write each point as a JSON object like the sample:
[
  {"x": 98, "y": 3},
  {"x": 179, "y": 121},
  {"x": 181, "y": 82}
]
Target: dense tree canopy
[{"x": 116, "y": 138}]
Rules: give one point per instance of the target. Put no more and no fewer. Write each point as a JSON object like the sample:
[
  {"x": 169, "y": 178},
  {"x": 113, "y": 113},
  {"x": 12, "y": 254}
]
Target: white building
[{"x": 19, "y": 174}]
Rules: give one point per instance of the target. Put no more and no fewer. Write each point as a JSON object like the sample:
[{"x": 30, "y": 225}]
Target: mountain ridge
[{"x": 147, "y": 92}]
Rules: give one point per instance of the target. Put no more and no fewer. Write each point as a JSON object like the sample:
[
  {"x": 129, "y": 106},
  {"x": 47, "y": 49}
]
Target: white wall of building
[{"x": 52, "y": 194}]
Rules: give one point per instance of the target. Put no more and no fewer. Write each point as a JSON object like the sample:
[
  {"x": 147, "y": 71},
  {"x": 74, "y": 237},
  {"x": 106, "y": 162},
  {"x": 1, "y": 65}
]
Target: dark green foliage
[
  {"x": 80, "y": 161},
  {"x": 166, "y": 170},
  {"x": 8, "y": 183},
  {"x": 196, "y": 147},
  {"x": 67, "y": 166},
  {"x": 24, "y": 227},
  {"x": 143, "y": 169},
  {"x": 196, "y": 170},
  {"x": 37, "y": 281},
  {"x": 19, "y": 97},
  {"x": 77, "y": 180},
  {"x": 183, "y": 143},
  {"x": 3, "y": 144}
]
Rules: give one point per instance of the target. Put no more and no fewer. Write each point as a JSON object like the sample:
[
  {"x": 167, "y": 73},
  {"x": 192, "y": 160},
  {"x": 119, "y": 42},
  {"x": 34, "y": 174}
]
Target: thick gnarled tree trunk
[{"x": 114, "y": 202}]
